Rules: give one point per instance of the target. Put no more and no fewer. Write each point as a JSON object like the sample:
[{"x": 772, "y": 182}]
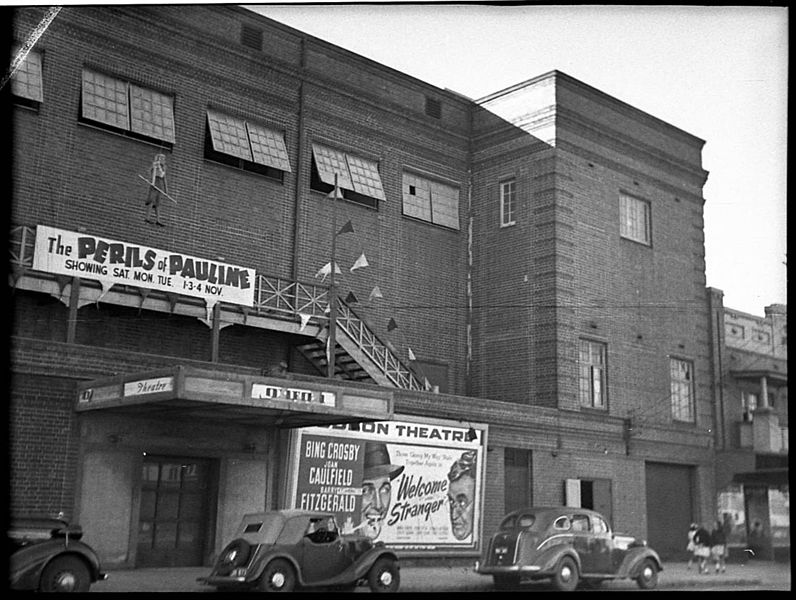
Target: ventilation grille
[
  {"x": 251, "y": 37},
  {"x": 433, "y": 108}
]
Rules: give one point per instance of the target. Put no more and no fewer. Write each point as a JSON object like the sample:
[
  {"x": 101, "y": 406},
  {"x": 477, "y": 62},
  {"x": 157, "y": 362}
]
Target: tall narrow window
[
  {"x": 634, "y": 215},
  {"x": 592, "y": 374},
  {"x": 126, "y": 107},
  {"x": 507, "y": 202},
  {"x": 682, "y": 383},
  {"x": 430, "y": 200},
  {"x": 26, "y": 84}
]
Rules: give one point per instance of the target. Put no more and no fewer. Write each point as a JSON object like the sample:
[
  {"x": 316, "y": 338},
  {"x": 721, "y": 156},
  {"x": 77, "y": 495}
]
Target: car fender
[
  {"x": 548, "y": 559},
  {"x": 263, "y": 558},
  {"x": 633, "y": 559},
  {"x": 365, "y": 562},
  {"x": 27, "y": 563}
]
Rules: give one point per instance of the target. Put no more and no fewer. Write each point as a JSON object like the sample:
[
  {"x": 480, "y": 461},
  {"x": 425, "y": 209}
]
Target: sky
[{"x": 717, "y": 72}]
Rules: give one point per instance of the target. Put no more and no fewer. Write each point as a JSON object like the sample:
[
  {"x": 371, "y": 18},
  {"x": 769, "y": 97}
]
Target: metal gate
[{"x": 669, "y": 508}]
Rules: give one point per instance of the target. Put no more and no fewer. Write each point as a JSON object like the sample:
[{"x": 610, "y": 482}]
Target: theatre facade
[{"x": 479, "y": 303}]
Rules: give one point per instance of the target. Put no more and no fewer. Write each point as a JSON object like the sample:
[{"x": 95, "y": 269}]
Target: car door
[
  {"x": 581, "y": 541},
  {"x": 601, "y": 546},
  {"x": 322, "y": 555}
]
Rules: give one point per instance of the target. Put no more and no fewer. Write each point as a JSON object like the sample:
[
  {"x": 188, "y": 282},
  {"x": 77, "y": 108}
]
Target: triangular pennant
[
  {"x": 327, "y": 269},
  {"x": 351, "y": 298},
  {"x": 426, "y": 384},
  {"x": 360, "y": 263},
  {"x": 392, "y": 324},
  {"x": 63, "y": 281},
  {"x": 304, "y": 320},
  {"x": 375, "y": 293},
  {"x": 173, "y": 299},
  {"x": 411, "y": 354},
  {"x": 245, "y": 310},
  {"x": 335, "y": 194},
  {"x": 347, "y": 228}
]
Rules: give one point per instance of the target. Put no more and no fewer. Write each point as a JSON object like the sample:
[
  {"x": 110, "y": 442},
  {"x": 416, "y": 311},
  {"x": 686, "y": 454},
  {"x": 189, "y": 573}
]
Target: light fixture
[{"x": 471, "y": 435}]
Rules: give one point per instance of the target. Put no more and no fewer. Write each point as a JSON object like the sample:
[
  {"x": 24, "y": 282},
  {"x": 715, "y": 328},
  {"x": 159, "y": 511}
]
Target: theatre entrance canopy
[{"x": 184, "y": 392}]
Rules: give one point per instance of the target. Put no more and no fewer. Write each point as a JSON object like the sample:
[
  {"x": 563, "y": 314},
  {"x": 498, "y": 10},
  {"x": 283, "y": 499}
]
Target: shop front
[{"x": 171, "y": 459}]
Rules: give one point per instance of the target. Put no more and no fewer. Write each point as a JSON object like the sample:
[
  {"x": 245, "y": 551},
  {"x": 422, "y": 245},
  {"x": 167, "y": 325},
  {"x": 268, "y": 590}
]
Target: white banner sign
[{"x": 112, "y": 262}]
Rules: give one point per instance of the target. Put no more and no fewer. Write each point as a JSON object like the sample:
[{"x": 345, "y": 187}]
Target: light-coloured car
[
  {"x": 569, "y": 546},
  {"x": 283, "y": 550}
]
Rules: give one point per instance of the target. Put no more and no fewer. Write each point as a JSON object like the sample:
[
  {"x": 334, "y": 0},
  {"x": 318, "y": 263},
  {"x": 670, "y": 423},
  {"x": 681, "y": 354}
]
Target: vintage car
[
  {"x": 569, "y": 546},
  {"x": 48, "y": 556},
  {"x": 282, "y": 550}
]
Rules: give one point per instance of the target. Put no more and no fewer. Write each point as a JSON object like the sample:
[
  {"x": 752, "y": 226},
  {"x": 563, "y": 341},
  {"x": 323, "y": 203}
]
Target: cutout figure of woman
[{"x": 157, "y": 183}]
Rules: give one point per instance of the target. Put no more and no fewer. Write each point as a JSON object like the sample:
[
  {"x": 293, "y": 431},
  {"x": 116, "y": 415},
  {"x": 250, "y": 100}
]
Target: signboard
[
  {"x": 273, "y": 392},
  {"x": 112, "y": 262},
  {"x": 413, "y": 485}
]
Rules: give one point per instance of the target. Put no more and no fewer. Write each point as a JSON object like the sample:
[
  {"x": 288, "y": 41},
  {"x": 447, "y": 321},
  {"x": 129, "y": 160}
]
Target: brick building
[
  {"x": 750, "y": 361},
  {"x": 521, "y": 288}
]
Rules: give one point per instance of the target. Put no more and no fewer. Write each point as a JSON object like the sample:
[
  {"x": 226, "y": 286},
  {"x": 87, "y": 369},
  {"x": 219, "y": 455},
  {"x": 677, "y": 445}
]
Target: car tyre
[
  {"x": 384, "y": 576},
  {"x": 278, "y": 576},
  {"x": 566, "y": 576},
  {"x": 506, "y": 582},
  {"x": 65, "y": 574},
  {"x": 234, "y": 555},
  {"x": 647, "y": 577}
]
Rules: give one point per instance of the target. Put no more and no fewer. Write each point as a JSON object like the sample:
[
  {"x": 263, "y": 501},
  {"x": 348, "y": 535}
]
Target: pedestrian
[
  {"x": 718, "y": 546},
  {"x": 702, "y": 551},
  {"x": 691, "y": 546}
]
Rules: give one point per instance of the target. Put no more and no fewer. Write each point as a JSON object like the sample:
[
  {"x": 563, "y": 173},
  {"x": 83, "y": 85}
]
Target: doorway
[{"x": 173, "y": 516}]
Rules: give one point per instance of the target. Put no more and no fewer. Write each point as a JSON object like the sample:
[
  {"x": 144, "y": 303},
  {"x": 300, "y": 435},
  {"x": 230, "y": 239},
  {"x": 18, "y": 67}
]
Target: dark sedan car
[
  {"x": 48, "y": 556},
  {"x": 568, "y": 546},
  {"x": 281, "y": 550}
]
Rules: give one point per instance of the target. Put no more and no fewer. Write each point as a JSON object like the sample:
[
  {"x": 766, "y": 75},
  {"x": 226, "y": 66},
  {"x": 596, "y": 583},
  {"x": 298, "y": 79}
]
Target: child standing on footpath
[
  {"x": 691, "y": 546},
  {"x": 702, "y": 542},
  {"x": 718, "y": 547}
]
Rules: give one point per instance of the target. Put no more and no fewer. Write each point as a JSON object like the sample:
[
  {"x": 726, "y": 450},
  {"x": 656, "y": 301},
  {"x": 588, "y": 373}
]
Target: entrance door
[
  {"x": 669, "y": 511},
  {"x": 174, "y": 512}
]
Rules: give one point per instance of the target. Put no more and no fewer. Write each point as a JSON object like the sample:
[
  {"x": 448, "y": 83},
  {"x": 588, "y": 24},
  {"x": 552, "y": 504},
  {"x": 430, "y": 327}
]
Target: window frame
[
  {"x": 683, "y": 405},
  {"x": 242, "y": 147},
  {"x": 30, "y": 68},
  {"x": 426, "y": 209},
  {"x": 629, "y": 227},
  {"x": 587, "y": 397},
  {"x": 508, "y": 201},
  {"x": 132, "y": 121},
  {"x": 356, "y": 180}
]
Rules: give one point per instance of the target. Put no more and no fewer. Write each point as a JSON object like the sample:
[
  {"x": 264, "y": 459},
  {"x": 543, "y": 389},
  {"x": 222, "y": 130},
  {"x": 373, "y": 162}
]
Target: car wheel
[
  {"x": 65, "y": 574},
  {"x": 234, "y": 555},
  {"x": 648, "y": 575},
  {"x": 278, "y": 576},
  {"x": 384, "y": 576},
  {"x": 566, "y": 575},
  {"x": 506, "y": 582}
]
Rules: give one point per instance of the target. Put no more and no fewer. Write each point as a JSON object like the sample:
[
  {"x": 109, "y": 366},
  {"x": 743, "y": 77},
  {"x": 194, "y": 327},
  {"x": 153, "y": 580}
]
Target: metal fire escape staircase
[{"x": 279, "y": 303}]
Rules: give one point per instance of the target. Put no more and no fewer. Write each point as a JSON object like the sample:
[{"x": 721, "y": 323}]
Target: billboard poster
[
  {"x": 114, "y": 262},
  {"x": 413, "y": 485}
]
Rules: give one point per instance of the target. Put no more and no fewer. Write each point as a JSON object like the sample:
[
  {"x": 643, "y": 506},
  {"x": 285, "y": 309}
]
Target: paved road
[{"x": 675, "y": 576}]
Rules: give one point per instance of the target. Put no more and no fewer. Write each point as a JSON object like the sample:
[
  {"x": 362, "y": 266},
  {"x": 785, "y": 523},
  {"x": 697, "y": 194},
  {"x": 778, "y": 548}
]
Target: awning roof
[
  {"x": 762, "y": 477},
  {"x": 190, "y": 393}
]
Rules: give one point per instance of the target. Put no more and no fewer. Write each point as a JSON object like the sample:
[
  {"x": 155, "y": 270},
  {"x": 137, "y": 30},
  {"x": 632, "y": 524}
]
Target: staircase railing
[{"x": 280, "y": 298}]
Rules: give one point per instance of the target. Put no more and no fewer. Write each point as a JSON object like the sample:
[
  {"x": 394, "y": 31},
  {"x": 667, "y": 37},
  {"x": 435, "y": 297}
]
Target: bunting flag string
[
  {"x": 347, "y": 228},
  {"x": 392, "y": 324},
  {"x": 351, "y": 298},
  {"x": 304, "y": 320},
  {"x": 411, "y": 354}
]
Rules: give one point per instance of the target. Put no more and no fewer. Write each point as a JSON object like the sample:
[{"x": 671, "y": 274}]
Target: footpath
[{"x": 415, "y": 579}]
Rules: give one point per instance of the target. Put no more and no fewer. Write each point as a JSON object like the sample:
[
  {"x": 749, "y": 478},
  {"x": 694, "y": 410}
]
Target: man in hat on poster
[{"x": 376, "y": 487}]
